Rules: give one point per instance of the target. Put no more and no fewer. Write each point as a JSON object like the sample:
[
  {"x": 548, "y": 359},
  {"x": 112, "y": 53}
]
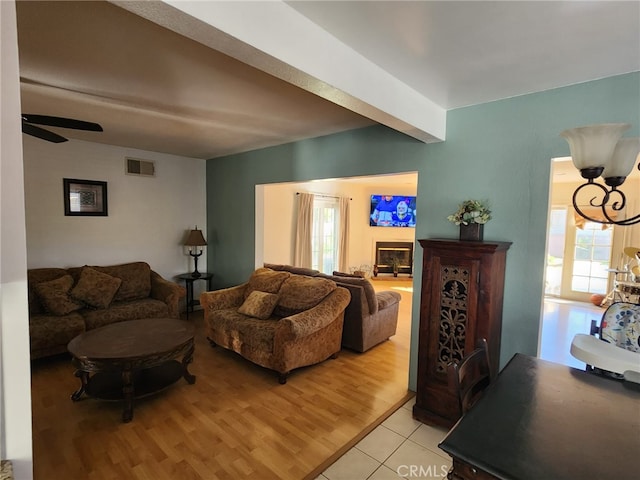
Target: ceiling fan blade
[
  {"x": 61, "y": 122},
  {"x": 42, "y": 133}
]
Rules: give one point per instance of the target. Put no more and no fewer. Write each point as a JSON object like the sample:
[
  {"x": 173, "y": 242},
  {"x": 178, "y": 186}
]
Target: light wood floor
[{"x": 235, "y": 422}]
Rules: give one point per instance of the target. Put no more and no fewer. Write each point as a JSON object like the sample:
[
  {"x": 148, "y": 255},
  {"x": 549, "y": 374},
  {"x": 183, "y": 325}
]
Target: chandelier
[{"x": 600, "y": 150}]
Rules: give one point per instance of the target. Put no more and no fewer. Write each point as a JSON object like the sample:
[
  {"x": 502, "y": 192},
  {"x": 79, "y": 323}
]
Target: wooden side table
[{"x": 189, "y": 279}]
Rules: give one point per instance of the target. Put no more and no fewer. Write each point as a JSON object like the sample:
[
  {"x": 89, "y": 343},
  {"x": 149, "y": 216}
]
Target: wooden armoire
[{"x": 461, "y": 301}]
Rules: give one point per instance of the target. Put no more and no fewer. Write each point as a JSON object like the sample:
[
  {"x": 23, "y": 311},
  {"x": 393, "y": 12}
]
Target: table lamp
[{"x": 195, "y": 240}]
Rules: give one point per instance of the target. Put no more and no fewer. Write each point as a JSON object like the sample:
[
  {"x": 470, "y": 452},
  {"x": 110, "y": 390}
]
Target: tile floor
[{"x": 402, "y": 447}]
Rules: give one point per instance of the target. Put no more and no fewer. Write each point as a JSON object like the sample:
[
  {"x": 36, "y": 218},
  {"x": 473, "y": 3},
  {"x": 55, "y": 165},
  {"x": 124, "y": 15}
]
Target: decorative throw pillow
[
  {"x": 54, "y": 295},
  {"x": 259, "y": 304},
  {"x": 136, "y": 280},
  {"x": 369, "y": 291},
  {"x": 95, "y": 288}
]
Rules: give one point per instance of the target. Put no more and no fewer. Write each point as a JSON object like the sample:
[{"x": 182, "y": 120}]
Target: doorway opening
[
  {"x": 583, "y": 258},
  {"x": 276, "y": 211}
]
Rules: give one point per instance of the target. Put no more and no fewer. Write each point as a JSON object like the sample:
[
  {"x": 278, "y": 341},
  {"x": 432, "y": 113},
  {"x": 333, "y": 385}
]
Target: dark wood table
[
  {"x": 545, "y": 421},
  {"x": 189, "y": 279},
  {"x": 132, "y": 359}
]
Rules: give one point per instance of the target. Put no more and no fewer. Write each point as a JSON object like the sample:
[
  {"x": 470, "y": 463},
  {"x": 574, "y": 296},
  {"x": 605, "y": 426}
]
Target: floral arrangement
[{"x": 471, "y": 211}]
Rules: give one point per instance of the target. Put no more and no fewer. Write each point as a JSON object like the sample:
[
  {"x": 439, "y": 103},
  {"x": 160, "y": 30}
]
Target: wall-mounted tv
[{"x": 392, "y": 211}]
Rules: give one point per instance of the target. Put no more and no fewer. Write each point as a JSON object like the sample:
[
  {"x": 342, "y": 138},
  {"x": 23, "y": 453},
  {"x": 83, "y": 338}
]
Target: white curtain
[
  {"x": 343, "y": 247},
  {"x": 304, "y": 229}
]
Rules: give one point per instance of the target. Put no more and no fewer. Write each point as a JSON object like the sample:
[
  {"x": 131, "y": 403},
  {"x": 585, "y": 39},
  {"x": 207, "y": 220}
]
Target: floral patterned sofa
[
  {"x": 64, "y": 303},
  {"x": 278, "y": 320}
]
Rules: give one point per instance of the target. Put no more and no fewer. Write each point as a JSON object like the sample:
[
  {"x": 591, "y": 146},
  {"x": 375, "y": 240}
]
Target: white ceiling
[{"x": 205, "y": 79}]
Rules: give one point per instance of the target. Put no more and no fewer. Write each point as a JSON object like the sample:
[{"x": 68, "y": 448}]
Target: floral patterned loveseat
[
  {"x": 64, "y": 303},
  {"x": 278, "y": 320}
]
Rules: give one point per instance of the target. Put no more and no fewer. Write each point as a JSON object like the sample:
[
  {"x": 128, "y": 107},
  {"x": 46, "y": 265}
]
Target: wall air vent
[{"x": 134, "y": 166}]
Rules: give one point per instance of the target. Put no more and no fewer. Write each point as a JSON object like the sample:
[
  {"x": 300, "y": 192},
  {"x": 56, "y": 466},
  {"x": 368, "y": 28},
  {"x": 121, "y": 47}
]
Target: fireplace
[{"x": 387, "y": 251}]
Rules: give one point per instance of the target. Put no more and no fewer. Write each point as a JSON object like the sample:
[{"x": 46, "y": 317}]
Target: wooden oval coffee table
[{"x": 132, "y": 359}]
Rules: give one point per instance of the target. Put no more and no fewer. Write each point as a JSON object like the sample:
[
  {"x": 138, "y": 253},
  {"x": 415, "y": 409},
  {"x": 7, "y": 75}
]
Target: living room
[
  {"x": 500, "y": 150},
  {"x": 276, "y": 213}
]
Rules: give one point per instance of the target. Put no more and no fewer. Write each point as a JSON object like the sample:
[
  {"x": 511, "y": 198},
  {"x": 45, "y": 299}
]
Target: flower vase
[{"x": 473, "y": 232}]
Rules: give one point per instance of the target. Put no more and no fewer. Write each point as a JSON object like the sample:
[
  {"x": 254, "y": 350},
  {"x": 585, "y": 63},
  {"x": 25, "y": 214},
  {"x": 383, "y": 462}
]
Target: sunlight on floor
[
  {"x": 561, "y": 321},
  {"x": 403, "y": 289}
]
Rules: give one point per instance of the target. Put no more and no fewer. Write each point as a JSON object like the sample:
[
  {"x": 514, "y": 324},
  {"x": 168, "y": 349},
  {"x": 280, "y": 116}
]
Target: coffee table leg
[
  {"x": 127, "y": 392},
  {"x": 186, "y": 360},
  {"x": 84, "y": 378}
]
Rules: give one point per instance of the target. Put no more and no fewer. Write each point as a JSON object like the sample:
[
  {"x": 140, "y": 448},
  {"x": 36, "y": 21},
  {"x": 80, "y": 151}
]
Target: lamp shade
[
  {"x": 623, "y": 158},
  {"x": 195, "y": 239},
  {"x": 592, "y": 146}
]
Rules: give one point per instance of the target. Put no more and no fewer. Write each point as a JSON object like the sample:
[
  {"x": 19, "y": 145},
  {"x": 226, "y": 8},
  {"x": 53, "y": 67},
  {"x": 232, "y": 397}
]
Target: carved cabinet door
[{"x": 454, "y": 290}]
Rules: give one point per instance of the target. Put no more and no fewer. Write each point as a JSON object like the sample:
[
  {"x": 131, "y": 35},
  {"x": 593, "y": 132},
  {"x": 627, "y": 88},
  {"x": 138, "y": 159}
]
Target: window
[
  {"x": 591, "y": 259},
  {"x": 325, "y": 233}
]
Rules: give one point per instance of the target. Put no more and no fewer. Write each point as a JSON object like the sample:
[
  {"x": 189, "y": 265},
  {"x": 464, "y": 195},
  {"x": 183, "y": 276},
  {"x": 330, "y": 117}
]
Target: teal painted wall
[
  {"x": 231, "y": 185},
  {"x": 499, "y": 151}
]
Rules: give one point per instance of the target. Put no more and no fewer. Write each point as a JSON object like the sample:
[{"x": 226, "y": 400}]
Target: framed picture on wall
[{"x": 84, "y": 197}]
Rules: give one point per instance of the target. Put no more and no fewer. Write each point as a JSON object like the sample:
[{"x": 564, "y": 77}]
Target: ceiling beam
[{"x": 275, "y": 38}]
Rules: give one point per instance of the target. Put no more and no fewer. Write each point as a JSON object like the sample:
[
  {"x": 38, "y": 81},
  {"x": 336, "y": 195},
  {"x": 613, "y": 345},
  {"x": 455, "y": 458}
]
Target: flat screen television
[{"x": 392, "y": 211}]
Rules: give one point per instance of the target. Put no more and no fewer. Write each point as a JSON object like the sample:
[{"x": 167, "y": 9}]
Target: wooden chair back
[{"x": 470, "y": 376}]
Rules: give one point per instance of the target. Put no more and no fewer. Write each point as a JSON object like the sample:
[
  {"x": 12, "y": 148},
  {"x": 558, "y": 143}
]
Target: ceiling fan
[{"x": 29, "y": 129}]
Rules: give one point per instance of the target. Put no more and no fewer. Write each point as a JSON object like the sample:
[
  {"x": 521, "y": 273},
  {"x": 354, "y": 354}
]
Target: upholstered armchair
[{"x": 278, "y": 320}]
